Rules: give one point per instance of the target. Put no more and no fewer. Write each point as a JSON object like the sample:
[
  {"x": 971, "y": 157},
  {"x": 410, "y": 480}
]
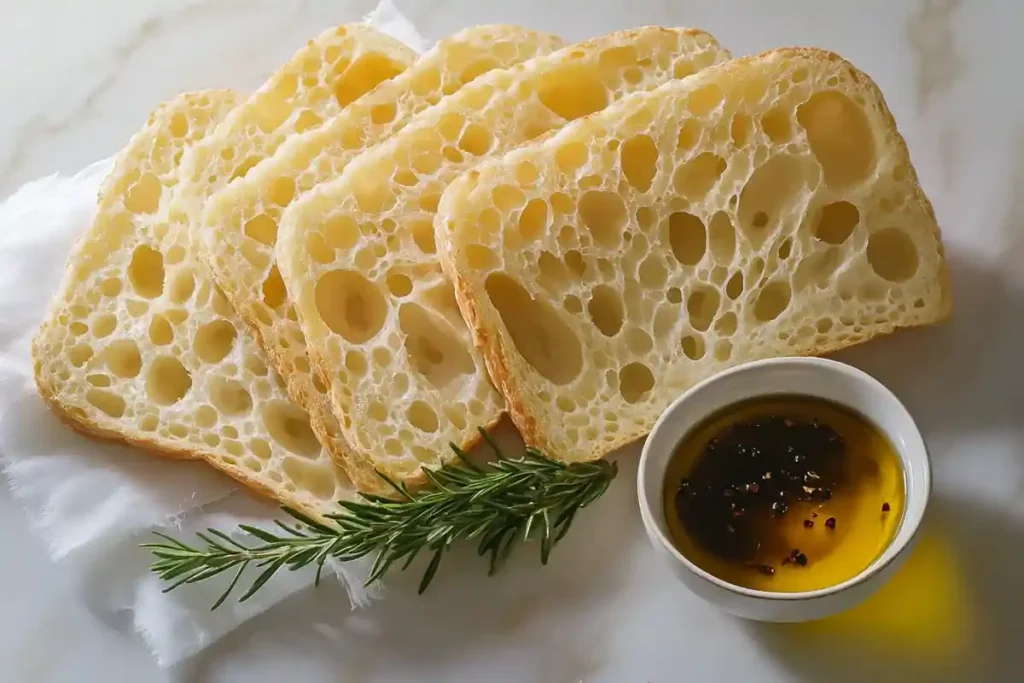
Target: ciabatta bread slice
[
  {"x": 358, "y": 258},
  {"x": 240, "y": 222},
  {"x": 140, "y": 347},
  {"x": 323, "y": 77},
  {"x": 764, "y": 207}
]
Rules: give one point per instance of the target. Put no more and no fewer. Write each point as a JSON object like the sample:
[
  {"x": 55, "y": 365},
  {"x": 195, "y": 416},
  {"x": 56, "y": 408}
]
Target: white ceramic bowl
[{"x": 831, "y": 380}]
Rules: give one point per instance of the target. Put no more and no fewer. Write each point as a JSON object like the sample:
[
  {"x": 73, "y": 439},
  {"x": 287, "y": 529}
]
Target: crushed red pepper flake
[
  {"x": 885, "y": 507},
  {"x": 808, "y": 523},
  {"x": 830, "y": 523}
]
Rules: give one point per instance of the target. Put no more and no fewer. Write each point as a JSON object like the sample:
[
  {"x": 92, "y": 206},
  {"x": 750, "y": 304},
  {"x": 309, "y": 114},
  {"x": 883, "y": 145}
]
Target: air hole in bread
[
  {"x": 318, "y": 249},
  {"x": 533, "y": 220},
  {"x": 635, "y": 381},
  {"x": 110, "y": 403},
  {"x": 639, "y": 159},
  {"x": 695, "y": 178},
  {"x": 261, "y": 228},
  {"x": 422, "y": 417},
  {"x": 480, "y": 257},
  {"x": 836, "y": 222},
  {"x": 476, "y": 140},
  {"x": 840, "y": 137},
  {"x": 98, "y": 380},
  {"x": 244, "y": 167},
  {"x": 373, "y": 193},
  {"x": 892, "y": 254},
  {"x": 687, "y": 238},
  {"x": 80, "y": 354},
  {"x": 572, "y": 90},
  {"x": 289, "y": 427},
  {"x": 689, "y": 134},
  {"x": 167, "y": 380},
  {"x": 571, "y": 156},
  {"x": 229, "y": 397},
  {"x": 146, "y": 272},
  {"x": 693, "y": 346},
  {"x": 423, "y": 235},
  {"x": 605, "y": 309},
  {"x": 604, "y": 215},
  {"x": 144, "y": 194},
  {"x": 136, "y": 308},
  {"x": 103, "y": 325},
  {"x": 160, "y": 331},
  {"x": 362, "y": 75},
  {"x": 205, "y": 417},
  {"x": 306, "y": 120},
  {"x": 704, "y": 100},
  {"x": 432, "y": 348},
  {"x": 726, "y": 324},
  {"x": 538, "y": 332},
  {"x": 214, "y": 341},
  {"x": 574, "y": 260},
  {"x": 350, "y": 305},
  {"x": 722, "y": 237},
  {"x": 702, "y": 306},
  {"x": 341, "y": 232},
  {"x": 123, "y": 358},
  {"x": 260, "y": 448},
  {"x": 785, "y": 249},
  {"x": 399, "y": 285},
  {"x": 182, "y": 287},
  {"x": 777, "y": 126},
  {"x": 740, "y": 129},
  {"x": 772, "y": 300},
  {"x": 723, "y": 350},
  {"x": 653, "y": 272},
  {"x": 110, "y": 287},
  {"x": 771, "y": 188},
  {"x": 572, "y": 304}
]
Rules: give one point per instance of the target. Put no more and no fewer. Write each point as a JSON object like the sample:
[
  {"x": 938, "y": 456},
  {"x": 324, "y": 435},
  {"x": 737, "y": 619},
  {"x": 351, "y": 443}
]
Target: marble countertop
[{"x": 79, "y": 77}]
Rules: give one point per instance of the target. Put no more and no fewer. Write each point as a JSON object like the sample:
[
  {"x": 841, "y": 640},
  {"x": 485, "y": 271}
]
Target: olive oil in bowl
[{"x": 784, "y": 493}]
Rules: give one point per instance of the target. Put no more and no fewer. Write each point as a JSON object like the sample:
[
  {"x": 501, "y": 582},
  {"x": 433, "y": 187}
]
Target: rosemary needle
[{"x": 496, "y": 504}]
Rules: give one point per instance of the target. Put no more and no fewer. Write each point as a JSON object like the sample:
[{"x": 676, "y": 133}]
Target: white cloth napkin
[{"x": 93, "y": 504}]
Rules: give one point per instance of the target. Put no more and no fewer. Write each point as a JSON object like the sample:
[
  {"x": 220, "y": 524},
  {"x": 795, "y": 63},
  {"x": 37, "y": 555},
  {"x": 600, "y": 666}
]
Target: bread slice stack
[
  {"x": 375, "y": 254},
  {"x": 358, "y": 257},
  {"x": 238, "y": 230},
  {"x": 139, "y": 347},
  {"x": 763, "y": 207}
]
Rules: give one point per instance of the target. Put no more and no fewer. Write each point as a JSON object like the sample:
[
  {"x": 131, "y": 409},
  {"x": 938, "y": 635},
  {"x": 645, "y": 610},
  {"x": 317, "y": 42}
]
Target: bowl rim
[{"x": 905, "y": 533}]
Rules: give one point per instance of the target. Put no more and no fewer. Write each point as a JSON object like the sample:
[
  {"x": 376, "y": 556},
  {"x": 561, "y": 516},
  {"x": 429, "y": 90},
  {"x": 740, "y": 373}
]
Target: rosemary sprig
[{"x": 497, "y": 503}]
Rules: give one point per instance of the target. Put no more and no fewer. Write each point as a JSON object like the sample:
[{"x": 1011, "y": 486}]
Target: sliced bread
[
  {"x": 240, "y": 222},
  {"x": 357, "y": 254},
  {"x": 139, "y": 347},
  {"x": 767, "y": 206}
]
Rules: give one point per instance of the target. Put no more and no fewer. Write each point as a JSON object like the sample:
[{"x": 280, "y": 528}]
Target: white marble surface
[{"x": 79, "y": 77}]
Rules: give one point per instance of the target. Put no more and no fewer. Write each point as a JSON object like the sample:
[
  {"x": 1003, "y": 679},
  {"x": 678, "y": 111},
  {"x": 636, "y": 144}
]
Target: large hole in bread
[
  {"x": 538, "y": 332},
  {"x": 702, "y": 305},
  {"x": 423, "y": 235},
  {"x": 817, "y": 268},
  {"x": 533, "y": 220},
  {"x": 261, "y": 228},
  {"x": 182, "y": 287},
  {"x": 722, "y": 237},
  {"x": 840, "y": 137},
  {"x": 694, "y": 179},
  {"x": 146, "y": 272},
  {"x": 433, "y": 349},
  {"x": 167, "y": 381},
  {"x": 123, "y": 358},
  {"x": 213, "y": 341},
  {"x": 635, "y": 381},
  {"x": 476, "y": 140},
  {"x": 639, "y": 157},
  {"x": 103, "y": 325},
  {"x": 110, "y": 403},
  {"x": 605, "y": 310},
  {"x": 836, "y": 222},
  {"x": 289, "y": 427},
  {"x": 362, "y": 75},
  {"x": 422, "y": 417},
  {"x": 604, "y": 215},
  {"x": 160, "y": 331},
  {"x": 350, "y": 305},
  {"x": 892, "y": 254},
  {"x": 144, "y": 194},
  {"x": 341, "y": 232},
  {"x": 572, "y": 90},
  {"x": 229, "y": 397},
  {"x": 772, "y": 300},
  {"x": 687, "y": 238},
  {"x": 693, "y": 346},
  {"x": 769, "y": 190}
]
